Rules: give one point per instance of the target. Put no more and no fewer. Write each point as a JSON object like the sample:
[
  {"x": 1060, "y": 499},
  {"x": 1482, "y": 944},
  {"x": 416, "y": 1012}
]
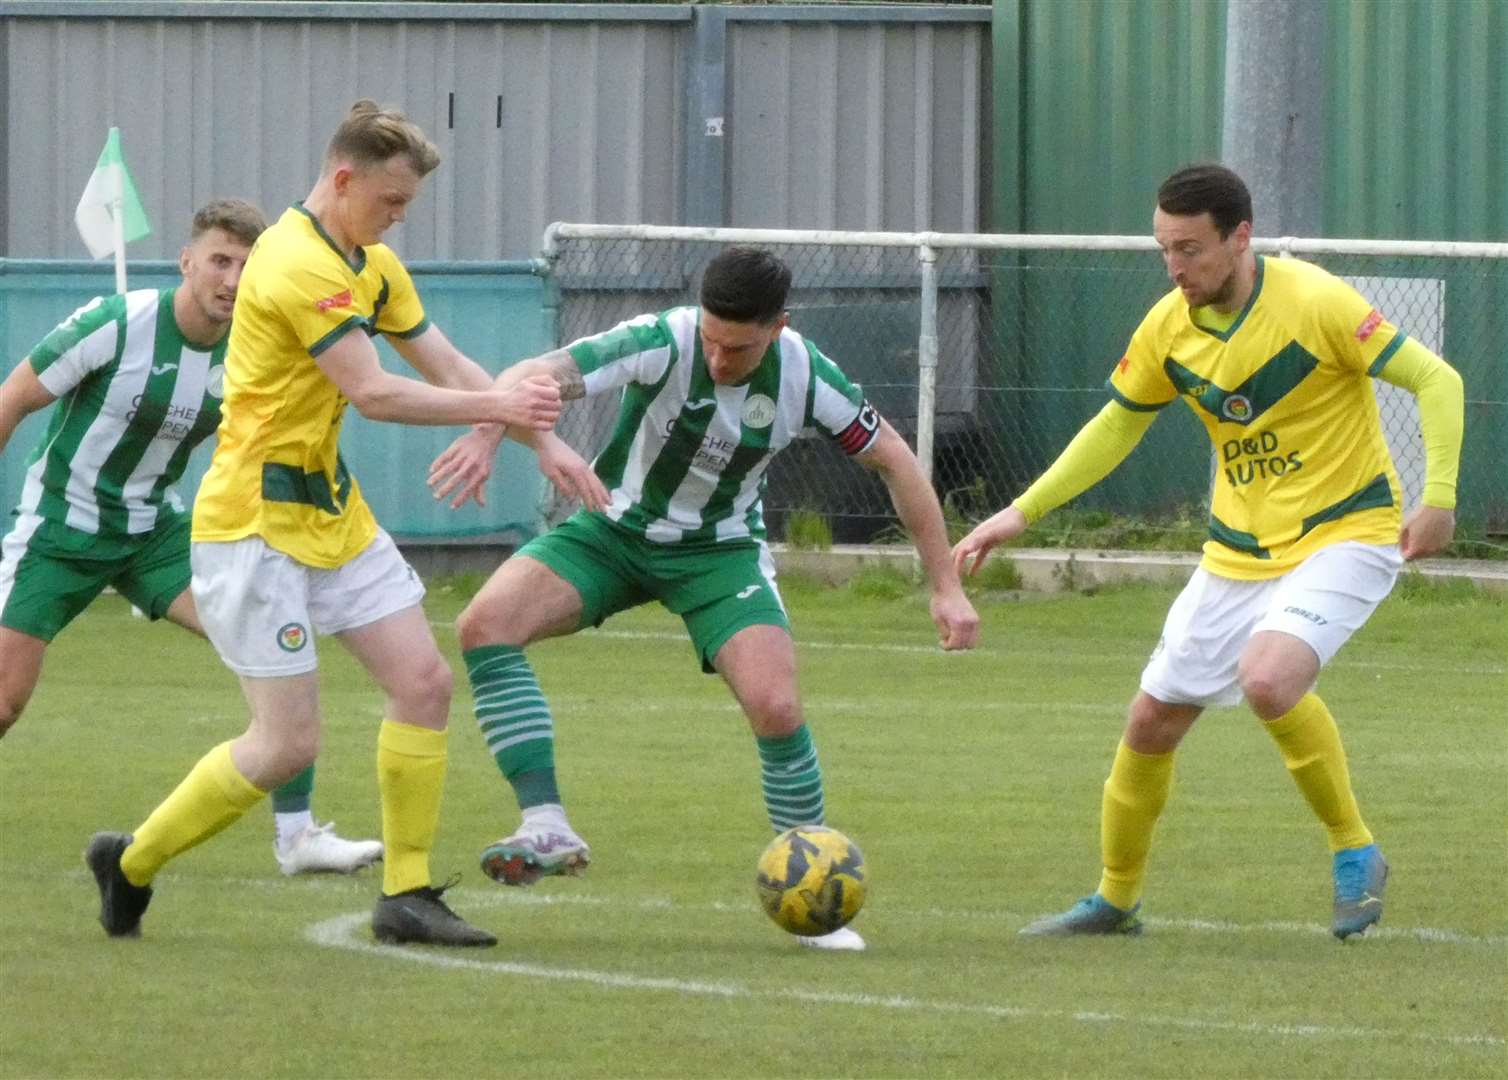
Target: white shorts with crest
[
  {"x": 1322, "y": 602},
  {"x": 261, "y": 608}
]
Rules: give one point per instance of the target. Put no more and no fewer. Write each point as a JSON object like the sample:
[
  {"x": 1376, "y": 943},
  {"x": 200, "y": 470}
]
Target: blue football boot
[
  {"x": 1091, "y": 915},
  {"x": 1361, "y": 874}
]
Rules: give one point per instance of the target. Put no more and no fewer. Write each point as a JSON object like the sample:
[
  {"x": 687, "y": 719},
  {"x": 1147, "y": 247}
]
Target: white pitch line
[
  {"x": 499, "y": 898},
  {"x": 340, "y": 933},
  {"x": 1424, "y": 934}
]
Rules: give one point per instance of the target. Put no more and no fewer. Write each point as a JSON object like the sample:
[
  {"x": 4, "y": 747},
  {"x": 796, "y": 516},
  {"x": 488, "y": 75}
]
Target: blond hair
[
  {"x": 235, "y": 217},
  {"x": 372, "y": 134}
]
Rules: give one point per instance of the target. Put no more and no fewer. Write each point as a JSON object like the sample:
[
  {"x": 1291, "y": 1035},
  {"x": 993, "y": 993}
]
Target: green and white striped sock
[
  {"x": 515, "y": 721},
  {"x": 791, "y": 778}
]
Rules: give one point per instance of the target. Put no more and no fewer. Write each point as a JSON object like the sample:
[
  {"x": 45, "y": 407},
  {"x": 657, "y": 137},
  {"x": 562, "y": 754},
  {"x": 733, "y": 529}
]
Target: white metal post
[{"x": 926, "y": 358}]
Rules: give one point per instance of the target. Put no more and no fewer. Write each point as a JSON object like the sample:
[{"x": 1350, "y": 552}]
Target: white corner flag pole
[{"x": 118, "y": 220}]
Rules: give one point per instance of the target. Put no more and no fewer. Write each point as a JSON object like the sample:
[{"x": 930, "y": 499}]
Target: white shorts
[
  {"x": 1322, "y": 602},
  {"x": 261, "y": 608}
]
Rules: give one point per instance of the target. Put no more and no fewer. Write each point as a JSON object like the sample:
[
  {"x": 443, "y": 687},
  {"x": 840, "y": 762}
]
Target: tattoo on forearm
[{"x": 567, "y": 375}]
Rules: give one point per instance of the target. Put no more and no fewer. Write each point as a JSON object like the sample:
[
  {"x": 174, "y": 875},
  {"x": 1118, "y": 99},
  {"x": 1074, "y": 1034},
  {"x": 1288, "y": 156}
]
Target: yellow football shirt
[
  {"x": 1284, "y": 394},
  {"x": 277, "y": 471}
]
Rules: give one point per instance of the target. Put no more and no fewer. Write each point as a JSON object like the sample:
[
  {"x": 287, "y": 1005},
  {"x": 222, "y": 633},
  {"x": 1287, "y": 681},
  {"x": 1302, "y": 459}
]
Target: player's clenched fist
[{"x": 532, "y": 403}]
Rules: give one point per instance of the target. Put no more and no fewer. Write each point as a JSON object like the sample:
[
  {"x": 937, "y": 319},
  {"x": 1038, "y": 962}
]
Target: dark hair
[
  {"x": 235, "y": 217},
  {"x": 373, "y": 134},
  {"x": 745, "y": 284},
  {"x": 1196, "y": 189}
]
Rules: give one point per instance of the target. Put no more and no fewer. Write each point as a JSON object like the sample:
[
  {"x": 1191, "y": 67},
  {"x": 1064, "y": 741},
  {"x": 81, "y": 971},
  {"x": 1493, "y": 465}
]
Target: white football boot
[
  {"x": 840, "y": 940},
  {"x": 316, "y": 849},
  {"x": 544, "y": 845}
]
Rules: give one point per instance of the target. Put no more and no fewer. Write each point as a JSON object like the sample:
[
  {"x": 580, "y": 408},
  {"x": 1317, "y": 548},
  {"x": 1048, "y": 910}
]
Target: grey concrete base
[
  {"x": 1041, "y": 569},
  {"x": 1049, "y": 569}
]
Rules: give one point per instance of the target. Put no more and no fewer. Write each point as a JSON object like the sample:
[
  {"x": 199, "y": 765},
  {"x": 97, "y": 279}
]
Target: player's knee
[
  {"x": 292, "y": 753},
  {"x": 427, "y": 688},
  {"x": 774, "y": 712},
  {"x": 12, "y": 702},
  {"x": 1269, "y": 693},
  {"x": 1156, "y": 727},
  {"x": 482, "y": 624}
]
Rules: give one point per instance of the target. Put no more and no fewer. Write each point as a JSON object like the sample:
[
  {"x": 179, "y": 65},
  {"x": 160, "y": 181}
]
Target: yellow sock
[
  {"x": 211, "y": 796},
  {"x": 1135, "y": 793},
  {"x": 411, "y": 777},
  {"x": 1310, "y": 744}
]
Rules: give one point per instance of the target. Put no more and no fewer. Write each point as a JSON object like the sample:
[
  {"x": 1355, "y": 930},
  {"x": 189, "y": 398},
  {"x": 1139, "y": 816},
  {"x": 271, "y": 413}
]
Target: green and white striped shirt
[
  {"x": 135, "y": 398},
  {"x": 687, "y": 458}
]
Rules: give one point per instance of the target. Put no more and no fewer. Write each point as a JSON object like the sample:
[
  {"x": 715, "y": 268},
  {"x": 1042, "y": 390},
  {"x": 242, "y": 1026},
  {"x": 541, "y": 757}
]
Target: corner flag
[{"x": 110, "y": 212}]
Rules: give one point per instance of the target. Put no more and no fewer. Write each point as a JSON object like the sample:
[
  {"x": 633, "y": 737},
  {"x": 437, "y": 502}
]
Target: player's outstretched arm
[
  {"x": 1093, "y": 454},
  {"x": 440, "y": 363},
  {"x": 351, "y": 364},
  {"x": 21, "y": 394},
  {"x": 916, "y": 505}
]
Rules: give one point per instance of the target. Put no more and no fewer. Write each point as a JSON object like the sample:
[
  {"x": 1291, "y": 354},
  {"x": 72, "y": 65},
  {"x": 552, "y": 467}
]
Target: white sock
[
  {"x": 547, "y": 814},
  {"x": 289, "y": 825}
]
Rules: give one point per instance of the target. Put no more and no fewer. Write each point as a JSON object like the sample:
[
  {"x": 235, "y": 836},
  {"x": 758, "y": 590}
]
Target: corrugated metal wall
[
  {"x": 857, "y": 126},
  {"x": 834, "y": 116},
  {"x": 1109, "y": 99},
  {"x": 536, "y": 120},
  {"x": 1418, "y": 120},
  {"x": 1098, "y": 100}
]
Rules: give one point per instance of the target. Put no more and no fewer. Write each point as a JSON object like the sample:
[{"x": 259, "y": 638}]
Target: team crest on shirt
[
  {"x": 758, "y": 411},
  {"x": 292, "y": 637},
  {"x": 1236, "y": 407},
  {"x": 214, "y": 383}
]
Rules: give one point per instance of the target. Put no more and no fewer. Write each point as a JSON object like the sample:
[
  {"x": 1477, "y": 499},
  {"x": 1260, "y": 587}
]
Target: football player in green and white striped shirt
[
  {"x": 139, "y": 377},
  {"x": 709, "y": 394}
]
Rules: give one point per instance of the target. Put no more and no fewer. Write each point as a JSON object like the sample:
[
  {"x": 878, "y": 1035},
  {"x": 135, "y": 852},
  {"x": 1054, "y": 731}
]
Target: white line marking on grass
[
  {"x": 498, "y": 898},
  {"x": 340, "y": 933},
  {"x": 1427, "y": 935}
]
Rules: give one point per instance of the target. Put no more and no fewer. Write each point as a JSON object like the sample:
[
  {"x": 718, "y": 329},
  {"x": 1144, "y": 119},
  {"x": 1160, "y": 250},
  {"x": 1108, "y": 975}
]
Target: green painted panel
[{"x": 1101, "y": 100}]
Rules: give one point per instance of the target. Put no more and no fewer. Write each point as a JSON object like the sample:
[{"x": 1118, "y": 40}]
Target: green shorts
[
  {"x": 47, "y": 578},
  {"x": 716, "y": 588}
]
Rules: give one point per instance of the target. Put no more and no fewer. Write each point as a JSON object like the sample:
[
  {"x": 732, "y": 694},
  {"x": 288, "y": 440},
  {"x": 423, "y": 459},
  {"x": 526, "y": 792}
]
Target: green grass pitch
[{"x": 972, "y": 782}]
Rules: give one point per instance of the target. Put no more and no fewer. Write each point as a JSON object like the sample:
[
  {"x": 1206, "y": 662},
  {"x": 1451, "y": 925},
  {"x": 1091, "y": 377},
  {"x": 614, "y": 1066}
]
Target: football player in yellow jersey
[
  {"x": 284, "y": 545},
  {"x": 1275, "y": 357}
]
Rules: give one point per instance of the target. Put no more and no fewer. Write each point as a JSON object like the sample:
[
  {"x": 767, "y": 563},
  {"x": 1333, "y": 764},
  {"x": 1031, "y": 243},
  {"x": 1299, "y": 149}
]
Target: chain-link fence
[{"x": 989, "y": 352}]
